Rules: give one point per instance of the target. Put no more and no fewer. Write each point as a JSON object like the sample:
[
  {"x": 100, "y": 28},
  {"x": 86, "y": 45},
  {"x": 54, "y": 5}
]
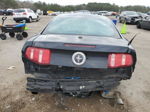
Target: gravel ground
[{"x": 15, "y": 98}]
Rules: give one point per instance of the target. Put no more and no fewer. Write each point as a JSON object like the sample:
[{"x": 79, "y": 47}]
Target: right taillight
[
  {"x": 119, "y": 60},
  {"x": 24, "y": 13},
  {"x": 38, "y": 55}
]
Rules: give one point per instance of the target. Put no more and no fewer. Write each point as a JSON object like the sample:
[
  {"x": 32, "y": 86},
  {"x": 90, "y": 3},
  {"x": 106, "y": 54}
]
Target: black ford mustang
[{"x": 78, "y": 53}]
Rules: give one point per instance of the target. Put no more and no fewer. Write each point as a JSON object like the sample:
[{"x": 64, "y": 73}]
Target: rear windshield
[
  {"x": 81, "y": 25},
  {"x": 19, "y": 10}
]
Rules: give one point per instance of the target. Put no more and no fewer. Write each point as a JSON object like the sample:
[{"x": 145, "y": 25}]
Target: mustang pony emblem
[{"x": 78, "y": 58}]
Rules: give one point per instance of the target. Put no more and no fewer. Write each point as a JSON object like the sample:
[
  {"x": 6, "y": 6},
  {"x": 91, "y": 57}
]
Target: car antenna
[{"x": 132, "y": 39}]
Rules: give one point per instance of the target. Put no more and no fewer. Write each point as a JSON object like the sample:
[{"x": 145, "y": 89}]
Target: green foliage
[
  {"x": 8, "y": 4},
  {"x": 102, "y": 6},
  {"x": 137, "y": 8},
  {"x": 90, "y": 7}
]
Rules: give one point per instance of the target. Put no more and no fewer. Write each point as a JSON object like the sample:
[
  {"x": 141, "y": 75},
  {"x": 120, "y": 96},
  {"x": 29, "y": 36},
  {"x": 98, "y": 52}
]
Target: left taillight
[
  {"x": 119, "y": 60},
  {"x": 38, "y": 55}
]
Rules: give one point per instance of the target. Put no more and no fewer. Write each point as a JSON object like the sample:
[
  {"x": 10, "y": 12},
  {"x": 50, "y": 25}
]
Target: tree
[{"x": 4, "y": 4}]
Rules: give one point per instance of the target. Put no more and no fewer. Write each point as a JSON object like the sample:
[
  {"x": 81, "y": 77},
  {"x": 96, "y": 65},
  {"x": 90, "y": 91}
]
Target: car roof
[{"x": 23, "y": 9}]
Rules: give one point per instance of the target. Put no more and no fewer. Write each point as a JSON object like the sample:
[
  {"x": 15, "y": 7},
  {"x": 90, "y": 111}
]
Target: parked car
[
  {"x": 102, "y": 13},
  {"x": 148, "y": 13},
  {"x": 78, "y": 54},
  {"x": 45, "y": 12},
  {"x": 111, "y": 13},
  {"x": 8, "y": 12},
  {"x": 129, "y": 17},
  {"x": 54, "y": 13},
  {"x": 1, "y": 12},
  {"x": 25, "y": 14},
  {"x": 144, "y": 23},
  {"x": 83, "y": 11}
]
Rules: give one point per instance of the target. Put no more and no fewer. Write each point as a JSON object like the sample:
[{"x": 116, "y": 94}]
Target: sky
[{"x": 117, "y": 2}]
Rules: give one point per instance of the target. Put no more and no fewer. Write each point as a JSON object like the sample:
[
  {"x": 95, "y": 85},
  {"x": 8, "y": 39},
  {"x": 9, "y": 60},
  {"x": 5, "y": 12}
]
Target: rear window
[
  {"x": 82, "y": 25},
  {"x": 19, "y": 10}
]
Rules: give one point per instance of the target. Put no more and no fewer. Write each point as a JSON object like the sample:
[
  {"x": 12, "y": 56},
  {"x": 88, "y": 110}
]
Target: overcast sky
[{"x": 118, "y": 2}]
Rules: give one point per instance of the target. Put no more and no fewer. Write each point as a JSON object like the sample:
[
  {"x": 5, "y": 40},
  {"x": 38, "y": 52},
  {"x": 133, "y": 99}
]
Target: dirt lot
[{"x": 15, "y": 98}]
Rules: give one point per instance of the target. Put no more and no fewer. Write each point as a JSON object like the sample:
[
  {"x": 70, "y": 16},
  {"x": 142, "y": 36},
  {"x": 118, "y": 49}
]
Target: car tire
[
  {"x": 120, "y": 20},
  {"x": 12, "y": 34},
  {"x": 3, "y": 36},
  {"x": 19, "y": 36},
  {"x": 138, "y": 25},
  {"x": 30, "y": 19},
  {"x": 25, "y": 34},
  {"x": 17, "y": 21},
  {"x": 34, "y": 93},
  {"x": 37, "y": 19}
]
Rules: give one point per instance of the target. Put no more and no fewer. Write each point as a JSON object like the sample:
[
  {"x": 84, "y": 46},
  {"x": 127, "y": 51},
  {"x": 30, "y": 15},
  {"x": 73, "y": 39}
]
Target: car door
[
  {"x": 146, "y": 22},
  {"x": 32, "y": 14}
]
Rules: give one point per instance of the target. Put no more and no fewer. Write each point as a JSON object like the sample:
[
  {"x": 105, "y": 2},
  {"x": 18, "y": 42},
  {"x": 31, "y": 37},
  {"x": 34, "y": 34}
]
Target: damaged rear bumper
[{"x": 64, "y": 85}]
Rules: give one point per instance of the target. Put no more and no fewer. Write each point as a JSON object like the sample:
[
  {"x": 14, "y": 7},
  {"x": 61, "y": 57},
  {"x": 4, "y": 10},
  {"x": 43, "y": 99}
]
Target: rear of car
[
  {"x": 77, "y": 54},
  {"x": 24, "y": 14}
]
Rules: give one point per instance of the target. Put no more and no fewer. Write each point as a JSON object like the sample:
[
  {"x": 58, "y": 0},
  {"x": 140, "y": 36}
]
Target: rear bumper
[
  {"x": 67, "y": 86},
  {"x": 70, "y": 79}
]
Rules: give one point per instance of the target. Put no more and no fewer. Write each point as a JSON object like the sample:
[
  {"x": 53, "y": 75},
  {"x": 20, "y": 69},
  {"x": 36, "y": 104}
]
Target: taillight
[
  {"x": 119, "y": 60},
  {"x": 38, "y": 55},
  {"x": 24, "y": 13}
]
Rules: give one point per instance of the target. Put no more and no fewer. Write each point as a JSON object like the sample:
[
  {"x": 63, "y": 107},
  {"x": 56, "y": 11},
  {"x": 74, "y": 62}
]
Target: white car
[
  {"x": 25, "y": 14},
  {"x": 102, "y": 13}
]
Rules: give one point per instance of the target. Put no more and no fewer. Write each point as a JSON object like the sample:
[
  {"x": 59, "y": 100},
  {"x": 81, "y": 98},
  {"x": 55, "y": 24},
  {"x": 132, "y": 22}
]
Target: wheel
[
  {"x": 37, "y": 19},
  {"x": 34, "y": 93},
  {"x": 12, "y": 34},
  {"x": 30, "y": 20},
  {"x": 138, "y": 25},
  {"x": 120, "y": 20},
  {"x": 25, "y": 34},
  {"x": 3, "y": 36},
  {"x": 17, "y": 21},
  {"x": 19, "y": 36}
]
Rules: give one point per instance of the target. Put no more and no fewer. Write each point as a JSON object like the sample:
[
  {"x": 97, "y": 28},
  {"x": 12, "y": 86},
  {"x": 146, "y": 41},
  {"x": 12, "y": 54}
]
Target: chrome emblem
[{"x": 78, "y": 58}]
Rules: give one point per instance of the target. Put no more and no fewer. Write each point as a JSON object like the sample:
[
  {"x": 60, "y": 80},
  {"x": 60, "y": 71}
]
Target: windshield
[
  {"x": 131, "y": 13},
  {"x": 82, "y": 25}
]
